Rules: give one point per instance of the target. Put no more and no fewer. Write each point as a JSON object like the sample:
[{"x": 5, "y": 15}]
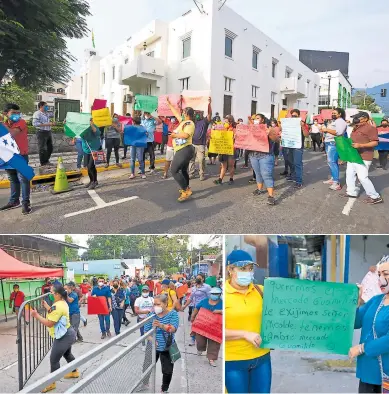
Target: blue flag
[
  {"x": 383, "y": 137},
  {"x": 135, "y": 136},
  {"x": 10, "y": 157}
]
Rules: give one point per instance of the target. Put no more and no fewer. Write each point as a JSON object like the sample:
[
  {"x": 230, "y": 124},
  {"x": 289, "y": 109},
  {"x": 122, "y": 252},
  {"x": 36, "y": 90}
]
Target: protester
[
  {"x": 41, "y": 121},
  {"x": 165, "y": 133},
  {"x": 85, "y": 289},
  {"x": 112, "y": 139},
  {"x": 118, "y": 298},
  {"x": 74, "y": 309},
  {"x": 80, "y": 152},
  {"x": 137, "y": 152},
  {"x": 170, "y": 293},
  {"x": 183, "y": 150},
  {"x": 105, "y": 322},
  {"x": 19, "y": 183},
  {"x": 143, "y": 306},
  {"x": 134, "y": 294},
  {"x": 337, "y": 128},
  {"x": 191, "y": 285},
  {"x": 150, "y": 283},
  {"x": 16, "y": 299},
  {"x": 158, "y": 287},
  {"x": 316, "y": 136},
  {"x": 125, "y": 147},
  {"x": 169, "y": 149},
  {"x": 383, "y": 154},
  {"x": 200, "y": 142},
  {"x": 46, "y": 289},
  {"x": 215, "y": 305},
  {"x": 166, "y": 323},
  {"x": 372, "y": 318},
  {"x": 58, "y": 323},
  {"x": 247, "y": 366},
  {"x": 127, "y": 292},
  {"x": 276, "y": 144},
  {"x": 364, "y": 138},
  {"x": 257, "y": 120},
  {"x": 91, "y": 143}
]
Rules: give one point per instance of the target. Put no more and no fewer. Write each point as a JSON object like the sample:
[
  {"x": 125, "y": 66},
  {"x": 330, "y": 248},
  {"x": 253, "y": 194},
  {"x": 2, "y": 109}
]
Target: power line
[
  {"x": 197, "y": 5},
  {"x": 224, "y": 2}
]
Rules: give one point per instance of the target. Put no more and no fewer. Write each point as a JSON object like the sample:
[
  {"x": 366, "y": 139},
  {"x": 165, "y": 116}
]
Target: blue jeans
[
  {"x": 332, "y": 160},
  {"x": 105, "y": 323},
  {"x": 249, "y": 376},
  {"x": 296, "y": 164},
  {"x": 142, "y": 329},
  {"x": 263, "y": 165},
  {"x": 137, "y": 153},
  {"x": 117, "y": 315},
  {"x": 18, "y": 181},
  {"x": 80, "y": 152}
]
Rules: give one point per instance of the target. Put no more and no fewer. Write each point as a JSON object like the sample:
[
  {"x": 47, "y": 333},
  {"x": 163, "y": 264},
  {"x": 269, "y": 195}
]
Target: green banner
[
  {"x": 146, "y": 103},
  {"x": 308, "y": 316},
  {"x": 76, "y": 124},
  {"x": 377, "y": 118},
  {"x": 346, "y": 151}
]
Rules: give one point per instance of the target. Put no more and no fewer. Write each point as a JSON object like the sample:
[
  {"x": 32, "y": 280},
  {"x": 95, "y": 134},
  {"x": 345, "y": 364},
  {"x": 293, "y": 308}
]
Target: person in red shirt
[
  {"x": 17, "y": 299},
  {"x": 150, "y": 284},
  {"x": 157, "y": 287},
  {"x": 18, "y": 129},
  {"x": 85, "y": 289}
]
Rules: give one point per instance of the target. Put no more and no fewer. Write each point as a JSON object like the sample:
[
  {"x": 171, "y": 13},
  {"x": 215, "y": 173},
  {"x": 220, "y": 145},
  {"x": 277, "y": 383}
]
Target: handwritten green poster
[
  {"x": 308, "y": 316},
  {"x": 146, "y": 103},
  {"x": 346, "y": 151}
]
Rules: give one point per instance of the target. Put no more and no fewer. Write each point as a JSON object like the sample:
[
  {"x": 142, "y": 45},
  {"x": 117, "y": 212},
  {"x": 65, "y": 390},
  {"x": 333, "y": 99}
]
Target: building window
[
  {"x": 39, "y": 97},
  {"x": 50, "y": 90},
  {"x": 82, "y": 84},
  {"x": 229, "y": 38},
  {"x": 126, "y": 60},
  {"x": 273, "y": 97},
  {"x": 113, "y": 72},
  {"x": 186, "y": 46},
  {"x": 272, "y": 110},
  {"x": 274, "y": 67},
  {"x": 60, "y": 91},
  {"x": 255, "y": 57},
  {"x": 299, "y": 76},
  {"x": 228, "y": 84},
  {"x": 147, "y": 90},
  {"x": 298, "y": 103},
  {"x": 184, "y": 83},
  {"x": 103, "y": 78},
  {"x": 150, "y": 54},
  {"x": 323, "y": 100},
  {"x": 288, "y": 72},
  {"x": 227, "y": 107},
  {"x": 285, "y": 102},
  {"x": 253, "y": 107},
  {"x": 254, "y": 91},
  {"x": 307, "y": 93}
]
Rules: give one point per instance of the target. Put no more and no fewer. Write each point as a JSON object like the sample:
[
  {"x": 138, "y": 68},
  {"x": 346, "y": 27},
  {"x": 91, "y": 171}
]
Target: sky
[{"x": 346, "y": 26}]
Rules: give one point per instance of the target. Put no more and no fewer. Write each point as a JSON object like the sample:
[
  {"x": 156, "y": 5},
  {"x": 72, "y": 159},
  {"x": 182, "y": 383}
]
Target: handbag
[
  {"x": 171, "y": 347},
  {"x": 98, "y": 156},
  {"x": 60, "y": 328},
  {"x": 385, "y": 378}
]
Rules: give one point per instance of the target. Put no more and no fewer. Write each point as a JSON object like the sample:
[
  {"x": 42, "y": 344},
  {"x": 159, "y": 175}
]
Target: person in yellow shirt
[
  {"x": 184, "y": 151},
  {"x": 171, "y": 294},
  {"x": 248, "y": 366},
  {"x": 57, "y": 322}
]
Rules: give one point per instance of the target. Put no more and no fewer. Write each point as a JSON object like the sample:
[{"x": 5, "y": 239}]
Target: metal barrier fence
[
  {"x": 33, "y": 339},
  {"x": 114, "y": 375}
]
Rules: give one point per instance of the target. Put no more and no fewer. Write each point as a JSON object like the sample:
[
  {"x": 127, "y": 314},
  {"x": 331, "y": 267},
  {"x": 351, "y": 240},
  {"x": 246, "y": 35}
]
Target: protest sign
[
  {"x": 146, "y": 103},
  {"x": 303, "y": 114},
  {"x": 209, "y": 325},
  {"x": 383, "y": 137},
  {"x": 135, "y": 136},
  {"x": 370, "y": 286},
  {"x": 163, "y": 107},
  {"x": 345, "y": 150},
  {"x": 291, "y": 133},
  {"x": 99, "y": 104},
  {"x": 97, "y": 306},
  {"x": 181, "y": 291},
  {"x": 222, "y": 142},
  {"x": 125, "y": 120},
  {"x": 76, "y": 124},
  {"x": 252, "y": 137},
  {"x": 158, "y": 136},
  {"x": 102, "y": 117},
  {"x": 309, "y": 316},
  {"x": 283, "y": 114},
  {"x": 198, "y": 100}
]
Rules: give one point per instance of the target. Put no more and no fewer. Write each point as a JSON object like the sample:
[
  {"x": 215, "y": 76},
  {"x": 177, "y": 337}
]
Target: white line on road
[
  {"x": 348, "y": 206},
  {"x": 96, "y": 198}
]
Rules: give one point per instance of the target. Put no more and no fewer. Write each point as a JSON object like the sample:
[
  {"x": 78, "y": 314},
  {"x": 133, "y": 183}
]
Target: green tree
[
  {"x": 363, "y": 101},
  {"x": 12, "y": 93},
  {"x": 33, "y": 39},
  {"x": 70, "y": 253}
]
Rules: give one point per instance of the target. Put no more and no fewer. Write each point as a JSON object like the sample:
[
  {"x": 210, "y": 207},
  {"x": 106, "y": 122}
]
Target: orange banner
[
  {"x": 163, "y": 107},
  {"x": 252, "y": 137},
  {"x": 209, "y": 325},
  {"x": 198, "y": 100},
  {"x": 181, "y": 291}
]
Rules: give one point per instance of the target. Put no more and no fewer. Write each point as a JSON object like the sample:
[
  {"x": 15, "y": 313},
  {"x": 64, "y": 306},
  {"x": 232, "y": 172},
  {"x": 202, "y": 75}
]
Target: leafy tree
[
  {"x": 33, "y": 39},
  {"x": 12, "y": 93},
  {"x": 70, "y": 253},
  {"x": 364, "y": 101}
]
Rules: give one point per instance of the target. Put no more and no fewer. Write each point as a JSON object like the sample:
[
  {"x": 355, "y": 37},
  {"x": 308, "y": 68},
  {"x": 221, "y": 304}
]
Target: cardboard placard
[
  {"x": 135, "y": 136},
  {"x": 76, "y": 124},
  {"x": 209, "y": 325},
  {"x": 222, "y": 142},
  {"x": 370, "y": 286},
  {"x": 146, "y": 103},
  {"x": 198, "y": 100},
  {"x": 98, "y": 104},
  {"x": 97, "y": 306},
  {"x": 291, "y": 133},
  {"x": 383, "y": 137},
  {"x": 163, "y": 107},
  {"x": 102, "y": 117},
  {"x": 252, "y": 137},
  {"x": 181, "y": 291}
]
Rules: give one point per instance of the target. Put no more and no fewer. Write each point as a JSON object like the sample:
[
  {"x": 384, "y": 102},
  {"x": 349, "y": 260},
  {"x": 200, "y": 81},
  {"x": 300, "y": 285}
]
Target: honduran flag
[
  {"x": 10, "y": 157},
  {"x": 383, "y": 137}
]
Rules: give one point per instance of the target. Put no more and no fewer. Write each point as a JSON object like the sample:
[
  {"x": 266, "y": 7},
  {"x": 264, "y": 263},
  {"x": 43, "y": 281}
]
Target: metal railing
[
  {"x": 112, "y": 375},
  {"x": 33, "y": 339}
]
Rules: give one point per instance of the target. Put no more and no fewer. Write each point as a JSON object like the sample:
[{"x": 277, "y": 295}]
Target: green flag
[
  {"x": 377, "y": 118},
  {"x": 346, "y": 151},
  {"x": 146, "y": 103},
  {"x": 77, "y": 123}
]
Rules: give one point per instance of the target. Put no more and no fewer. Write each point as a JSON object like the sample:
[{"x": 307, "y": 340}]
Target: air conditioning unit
[{"x": 127, "y": 98}]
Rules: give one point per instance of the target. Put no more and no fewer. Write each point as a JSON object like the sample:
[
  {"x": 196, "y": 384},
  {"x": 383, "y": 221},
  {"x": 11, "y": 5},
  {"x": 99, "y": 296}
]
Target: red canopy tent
[{"x": 13, "y": 268}]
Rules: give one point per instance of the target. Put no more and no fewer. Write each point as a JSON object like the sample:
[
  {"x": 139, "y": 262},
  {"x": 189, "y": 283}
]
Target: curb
[{"x": 50, "y": 178}]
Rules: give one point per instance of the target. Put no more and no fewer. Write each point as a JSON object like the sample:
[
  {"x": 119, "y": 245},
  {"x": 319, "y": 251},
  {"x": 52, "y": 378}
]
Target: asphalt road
[{"x": 149, "y": 206}]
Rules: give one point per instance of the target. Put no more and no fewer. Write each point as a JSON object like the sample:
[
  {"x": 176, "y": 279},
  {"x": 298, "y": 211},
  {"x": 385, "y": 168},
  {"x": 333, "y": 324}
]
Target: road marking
[
  {"x": 96, "y": 198},
  {"x": 348, "y": 206}
]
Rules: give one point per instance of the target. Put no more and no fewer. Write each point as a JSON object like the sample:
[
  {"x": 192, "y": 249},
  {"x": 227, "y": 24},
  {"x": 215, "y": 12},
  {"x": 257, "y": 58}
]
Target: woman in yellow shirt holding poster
[{"x": 247, "y": 367}]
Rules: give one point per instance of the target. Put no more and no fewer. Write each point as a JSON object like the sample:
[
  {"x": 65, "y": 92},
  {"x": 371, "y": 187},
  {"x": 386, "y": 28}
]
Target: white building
[
  {"x": 57, "y": 90},
  {"x": 338, "y": 87},
  {"x": 245, "y": 70}
]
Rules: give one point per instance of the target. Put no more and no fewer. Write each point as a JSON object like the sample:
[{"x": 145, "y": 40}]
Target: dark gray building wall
[{"x": 321, "y": 61}]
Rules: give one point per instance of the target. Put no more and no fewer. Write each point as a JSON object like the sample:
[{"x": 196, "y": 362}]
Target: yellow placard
[
  {"x": 222, "y": 142},
  {"x": 282, "y": 114},
  {"x": 101, "y": 117}
]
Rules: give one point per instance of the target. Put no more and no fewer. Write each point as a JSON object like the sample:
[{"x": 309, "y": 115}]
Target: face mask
[
  {"x": 244, "y": 278},
  {"x": 101, "y": 284},
  {"x": 273, "y": 125},
  {"x": 198, "y": 281},
  {"x": 214, "y": 297},
  {"x": 145, "y": 295},
  {"x": 158, "y": 309},
  {"x": 14, "y": 117},
  {"x": 115, "y": 286},
  {"x": 173, "y": 121},
  {"x": 197, "y": 117},
  {"x": 115, "y": 119},
  {"x": 294, "y": 116},
  {"x": 356, "y": 121},
  {"x": 46, "y": 107},
  {"x": 256, "y": 121},
  {"x": 147, "y": 117},
  {"x": 383, "y": 125},
  {"x": 384, "y": 285},
  {"x": 333, "y": 117}
]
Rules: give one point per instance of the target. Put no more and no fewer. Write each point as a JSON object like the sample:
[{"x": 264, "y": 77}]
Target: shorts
[
  {"x": 225, "y": 158},
  {"x": 165, "y": 139},
  {"x": 169, "y": 153}
]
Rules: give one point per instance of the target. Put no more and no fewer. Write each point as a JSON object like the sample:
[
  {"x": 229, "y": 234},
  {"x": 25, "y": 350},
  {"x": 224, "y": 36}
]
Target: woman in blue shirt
[
  {"x": 373, "y": 350},
  {"x": 118, "y": 297}
]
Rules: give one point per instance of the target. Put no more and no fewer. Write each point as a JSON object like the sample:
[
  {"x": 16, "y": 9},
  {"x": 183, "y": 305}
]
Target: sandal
[{"x": 212, "y": 363}]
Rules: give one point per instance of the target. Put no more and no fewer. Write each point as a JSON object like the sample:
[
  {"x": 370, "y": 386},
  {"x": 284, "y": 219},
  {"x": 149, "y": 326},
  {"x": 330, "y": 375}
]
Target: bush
[{"x": 55, "y": 129}]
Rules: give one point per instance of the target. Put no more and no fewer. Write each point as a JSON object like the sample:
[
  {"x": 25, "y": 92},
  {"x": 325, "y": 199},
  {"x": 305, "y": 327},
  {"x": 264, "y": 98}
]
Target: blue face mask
[
  {"x": 14, "y": 117},
  {"x": 244, "y": 278},
  {"x": 46, "y": 107},
  {"x": 214, "y": 297}
]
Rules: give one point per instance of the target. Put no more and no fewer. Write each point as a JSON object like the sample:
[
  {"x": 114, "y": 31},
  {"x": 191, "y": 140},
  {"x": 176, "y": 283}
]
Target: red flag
[{"x": 97, "y": 306}]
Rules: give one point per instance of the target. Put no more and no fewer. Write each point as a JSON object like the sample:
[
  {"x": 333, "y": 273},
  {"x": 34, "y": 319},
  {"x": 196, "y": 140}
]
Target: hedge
[{"x": 55, "y": 129}]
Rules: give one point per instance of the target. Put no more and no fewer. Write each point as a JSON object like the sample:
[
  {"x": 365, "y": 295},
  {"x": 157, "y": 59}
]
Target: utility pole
[
  {"x": 364, "y": 97},
  {"x": 329, "y": 91}
]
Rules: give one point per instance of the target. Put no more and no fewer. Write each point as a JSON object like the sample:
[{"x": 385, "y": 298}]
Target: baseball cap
[
  {"x": 165, "y": 281},
  {"x": 361, "y": 114},
  {"x": 239, "y": 258},
  {"x": 216, "y": 290},
  {"x": 145, "y": 287},
  {"x": 71, "y": 284}
]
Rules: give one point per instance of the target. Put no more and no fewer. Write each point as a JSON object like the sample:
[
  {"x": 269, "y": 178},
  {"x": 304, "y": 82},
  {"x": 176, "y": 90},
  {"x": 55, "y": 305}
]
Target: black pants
[
  {"x": 276, "y": 149},
  {"x": 316, "y": 140},
  {"x": 190, "y": 310},
  {"x": 132, "y": 304},
  {"x": 383, "y": 158},
  {"x": 180, "y": 166},
  {"x": 124, "y": 313},
  {"x": 62, "y": 348},
  {"x": 150, "y": 150},
  {"x": 164, "y": 143},
  {"x": 246, "y": 158},
  {"x": 45, "y": 145},
  {"x": 125, "y": 148},
  {"x": 90, "y": 165},
  {"x": 112, "y": 143},
  {"x": 369, "y": 388}
]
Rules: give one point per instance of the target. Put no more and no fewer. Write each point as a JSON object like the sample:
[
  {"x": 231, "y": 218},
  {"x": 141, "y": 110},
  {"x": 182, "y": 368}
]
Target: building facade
[
  {"x": 335, "y": 90},
  {"x": 57, "y": 90},
  {"x": 217, "y": 51}
]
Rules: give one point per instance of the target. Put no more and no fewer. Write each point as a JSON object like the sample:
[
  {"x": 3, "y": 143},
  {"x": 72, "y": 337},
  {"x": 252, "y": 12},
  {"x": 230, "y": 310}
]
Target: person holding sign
[
  {"x": 91, "y": 143},
  {"x": 112, "y": 139},
  {"x": 137, "y": 152},
  {"x": 183, "y": 150},
  {"x": 372, "y": 353},
  {"x": 247, "y": 367}
]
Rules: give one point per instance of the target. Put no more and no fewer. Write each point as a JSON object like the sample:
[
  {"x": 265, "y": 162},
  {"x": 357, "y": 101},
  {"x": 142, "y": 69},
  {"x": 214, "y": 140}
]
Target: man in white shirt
[{"x": 143, "y": 306}]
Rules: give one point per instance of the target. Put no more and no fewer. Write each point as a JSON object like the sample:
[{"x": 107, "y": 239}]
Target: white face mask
[
  {"x": 173, "y": 121},
  {"x": 384, "y": 285},
  {"x": 256, "y": 121},
  {"x": 145, "y": 295},
  {"x": 101, "y": 284},
  {"x": 158, "y": 309}
]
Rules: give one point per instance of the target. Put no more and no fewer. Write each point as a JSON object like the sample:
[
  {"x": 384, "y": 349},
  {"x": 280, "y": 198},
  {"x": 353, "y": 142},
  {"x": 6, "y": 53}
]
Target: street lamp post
[{"x": 329, "y": 91}]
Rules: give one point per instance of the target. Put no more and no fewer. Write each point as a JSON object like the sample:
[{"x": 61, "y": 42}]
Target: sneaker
[
  {"x": 231, "y": 182},
  {"x": 258, "y": 192},
  {"x": 345, "y": 195},
  {"x": 252, "y": 181},
  {"x": 335, "y": 186},
  {"x": 139, "y": 172},
  {"x": 372, "y": 201},
  {"x": 103, "y": 335},
  {"x": 126, "y": 323},
  {"x": 328, "y": 181},
  {"x": 85, "y": 322},
  {"x": 119, "y": 165},
  {"x": 92, "y": 186},
  {"x": 50, "y": 387},
  {"x": 143, "y": 176},
  {"x": 26, "y": 209},
  {"x": 88, "y": 185},
  {"x": 151, "y": 171},
  {"x": 132, "y": 176},
  {"x": 290, "y": 179},
  {"x": 218, "y": 182},
  {"x": 284, "y": 173},
  {"x": 79, "y": 340},
  {"x": 109, "y": 333},
  {"x": 298, "y": 185},
  {"x": 106, "y": 165},
  {"x": 73, "y": 375},
  {"x": 199, "y": 353},
  {"x": 212, "y": 363},
  {"x": 185, "y": 195},
  {"x": 202, "y": 178},
  {"x": 10, "y": 205},
  {"x": 271, "y": 200}
]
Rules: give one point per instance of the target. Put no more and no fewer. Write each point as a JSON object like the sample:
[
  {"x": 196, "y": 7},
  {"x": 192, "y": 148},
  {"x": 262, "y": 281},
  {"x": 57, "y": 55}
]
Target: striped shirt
[
  {"x": 171, "y": 318},
  {"x": 40, "y": 118}
]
